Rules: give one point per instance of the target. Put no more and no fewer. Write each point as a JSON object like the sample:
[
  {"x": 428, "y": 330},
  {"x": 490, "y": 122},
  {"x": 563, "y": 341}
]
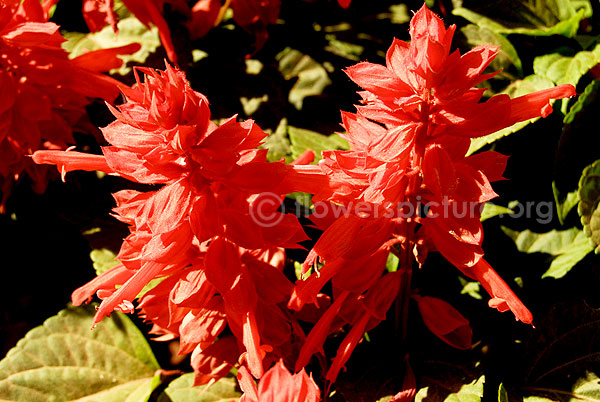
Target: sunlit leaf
[
  {"x": 490, "y": 210},
  {"x": 564, "y": 204},
  {"x": 568, "y": 246},
  {"x": 302, "y": 139},
  {"x": 563, "y": 69},
  {"x": 182, "y": 390},
  {"x": 103, "y": 260},
  {"x": 131, "y": 30},
  {"x": 312, "y": 77},
  {"x": 455, "y": 389},
  {"x": 64, "y": 360}
]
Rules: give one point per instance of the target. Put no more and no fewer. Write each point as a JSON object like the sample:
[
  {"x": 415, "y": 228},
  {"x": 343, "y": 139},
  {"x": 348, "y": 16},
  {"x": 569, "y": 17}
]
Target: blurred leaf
[
  {"x": 392, "y": 263},
  {"x": 526, "y": 17},
  {"x": 527, "y": 85},
  {"x": 490, "y": 210},
  {"x": 182, "y": 390},
  {"x": 103, "y": 260},
  {"x": 398, "y": 14},
  {"x": 454, "y": 389},
  {"x": 251, "y": 105},
  {"x": 564, "y": 204},
  {"x": 131, "y": 30},
  {"x": 64, "y": 360},
  {"x": 470, "y": 288},
  {"x": 278, "y": 144},
  {"x": 477, "y": 36},
  {"x": 312, "y": 76},
  {"x": 568, "y": 246},
  {"x": 589, "y": 206},
  {"x": 340, "y": 48},
  {"x": 302, "y": 139}
]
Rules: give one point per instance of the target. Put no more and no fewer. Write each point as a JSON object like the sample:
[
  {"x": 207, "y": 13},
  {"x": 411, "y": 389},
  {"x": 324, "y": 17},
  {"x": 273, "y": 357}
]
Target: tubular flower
[
  {"x": 406, "y": 186},
  {"x": 221, "y": 267},
  {"x": 43, "y": 92}
]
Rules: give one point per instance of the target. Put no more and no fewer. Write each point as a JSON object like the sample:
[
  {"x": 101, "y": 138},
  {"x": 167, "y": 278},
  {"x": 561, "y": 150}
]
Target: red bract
[
  {"x": 406, "y": 186},
  {"x": 278, "y": 385},
  {"x": 43, "y": 92},
  {"x": 221, "y": 267}
]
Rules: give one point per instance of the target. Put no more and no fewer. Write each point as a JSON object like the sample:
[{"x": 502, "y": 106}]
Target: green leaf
[
  {"x": 477, "y": 36},
  {"x": 502, "y": 394},
  {"x": 589, "y": 206},
  {"x": 103, "y": 259},
  {"x": 312, "y": 76},
  {"x": 278, "y": 144},
  {"x": 470, "y": 288},
  {"x": 568, "y": 246},
  {"x": 529, "y": 84},
  {"x": 343, "y": 49},
  {"x": 563, "y": 69},
  {"x": 442, "y": 391},
  {"x": 490, "y": 210},
  {"x": 585, "y": 99},
  {"x": 302, "y": 139},
  {"x": 251, "y": 105},
  {"x": 64, "y": 360},
  {"x": 392, "y": 263},
  {"x": 564, "y": 204},
  {"x": 131, "y": 30},
  {"x": 539, "y": 18},
  {"x": 182, "y": 390}
]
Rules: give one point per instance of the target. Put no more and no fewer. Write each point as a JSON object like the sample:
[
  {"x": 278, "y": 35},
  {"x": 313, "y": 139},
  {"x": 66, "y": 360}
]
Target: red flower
[
  {"x": 222, "y": 267},
  {"x": 278, "y": 385},
  {"x": 43, "y": 92}
]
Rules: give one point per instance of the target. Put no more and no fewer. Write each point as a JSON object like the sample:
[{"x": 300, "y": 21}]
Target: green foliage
[
  {"x": 567, "y": 246},
  {"x": 103, "y": 260},
  {"x": 131, "y": 30},
  {"x": 64, "y": 360},
  {"x": 490, "y": 210},
  {"x": 478, "y": 36},
  {"x": 312, "y": 77},
  {"x": 182, "y": 390},
  {"x": 302, "y": 139},
  {"x": 533, "y": 18},
  {"x": 564, "y": 205},
  {"x": 454, "y": 388},
  {"x": 589, "y": 207},
  {"x": 562, "y": 69}
]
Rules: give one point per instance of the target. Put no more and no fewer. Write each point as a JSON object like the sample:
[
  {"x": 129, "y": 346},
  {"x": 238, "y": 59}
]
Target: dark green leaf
[
  {"x": 589, "y": 206},
  {"x": 564, "y": 204},
  {"x": 64, "y": 360},
  {"x": 182, "y": 390},
  {"x": 526, "y": 17}
]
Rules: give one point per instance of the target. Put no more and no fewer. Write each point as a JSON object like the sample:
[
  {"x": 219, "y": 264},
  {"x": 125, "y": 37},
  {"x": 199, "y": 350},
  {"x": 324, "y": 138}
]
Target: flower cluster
[
  {"x": 408, "y": 142},
  {"x": 43, "y": 92},
  {"x": 220, "y": 268},
  {"x": 223, "y": 291}
]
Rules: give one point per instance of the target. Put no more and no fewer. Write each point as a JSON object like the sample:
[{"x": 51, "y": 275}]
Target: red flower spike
[{"x": 445, "y": 321}]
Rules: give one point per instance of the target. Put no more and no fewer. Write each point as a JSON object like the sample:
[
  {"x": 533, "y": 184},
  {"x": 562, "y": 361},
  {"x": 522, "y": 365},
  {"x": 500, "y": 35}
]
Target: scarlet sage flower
[
  {"x": 43, "y": 91},
  {"x": 221, "y": 267},
  {"x": 408, "y": 145}
]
